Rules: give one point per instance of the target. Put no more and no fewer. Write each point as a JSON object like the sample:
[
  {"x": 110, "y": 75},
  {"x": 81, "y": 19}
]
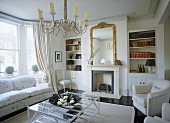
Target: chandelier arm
[
  {"x": 46, "y": 31},
  {"x": 47, "y": 28},
  {"x": 84, "y": 30},
  {"x": 57, "y": 32},
  {"x": 76, "y": 32}
]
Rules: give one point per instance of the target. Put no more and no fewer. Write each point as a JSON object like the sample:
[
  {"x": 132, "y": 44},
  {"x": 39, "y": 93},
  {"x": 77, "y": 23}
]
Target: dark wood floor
[{"x": 124, "y": 100}]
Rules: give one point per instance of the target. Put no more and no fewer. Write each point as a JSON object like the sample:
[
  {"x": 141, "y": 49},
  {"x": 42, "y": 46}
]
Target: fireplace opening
[{"x": 103, "y": 81}]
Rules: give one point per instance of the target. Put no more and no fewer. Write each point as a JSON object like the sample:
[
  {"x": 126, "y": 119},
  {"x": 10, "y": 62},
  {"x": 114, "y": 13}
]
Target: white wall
[
  {"x": 58, "y": 45},
  {"x": 166, "y": 49}
]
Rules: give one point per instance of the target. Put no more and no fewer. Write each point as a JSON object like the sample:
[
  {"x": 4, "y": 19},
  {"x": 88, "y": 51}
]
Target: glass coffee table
[{"x": 85, "y": 108}]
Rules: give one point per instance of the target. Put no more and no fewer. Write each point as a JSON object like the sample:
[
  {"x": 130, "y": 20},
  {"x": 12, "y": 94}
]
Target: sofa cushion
[
  {"x": 141, "y": 99},
  {"x": 23, "y": 82},
  {"x": 11, "y": 97},
  {"x": 6, "y": 85},
  {"x": 36, "y": 90}
]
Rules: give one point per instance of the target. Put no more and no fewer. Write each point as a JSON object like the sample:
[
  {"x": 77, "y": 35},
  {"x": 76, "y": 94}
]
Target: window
[
  {"x": 31, "y": 56},
  {"x": 8, "y": 46}
]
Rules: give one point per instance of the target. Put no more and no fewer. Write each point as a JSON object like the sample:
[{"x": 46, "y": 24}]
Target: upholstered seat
[
  {"x": 149, "y": 98},
  {"x": 60, "y": 80},
  {"x": 165, "y": 115}
]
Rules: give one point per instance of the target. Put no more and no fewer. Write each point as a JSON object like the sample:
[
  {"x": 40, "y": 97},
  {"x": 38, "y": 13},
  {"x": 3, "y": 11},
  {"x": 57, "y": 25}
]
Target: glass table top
[{"x": 67, "y": 107}]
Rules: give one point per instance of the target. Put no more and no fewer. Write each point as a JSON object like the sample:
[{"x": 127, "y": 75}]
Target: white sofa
[
  {"x": 148, "y": 98},
  {"x": 20, "y": 92},
  {"x": 165, "y": 115}
]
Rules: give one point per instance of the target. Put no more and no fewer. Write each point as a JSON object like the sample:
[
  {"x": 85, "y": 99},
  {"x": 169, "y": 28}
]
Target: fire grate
[{"x": 103, "y": 87}]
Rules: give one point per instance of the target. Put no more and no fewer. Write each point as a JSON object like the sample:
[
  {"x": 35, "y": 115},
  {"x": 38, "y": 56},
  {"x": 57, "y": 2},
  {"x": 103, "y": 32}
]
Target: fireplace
[
  {"x": 103, "y": 85},
  {"x": 112, "y": 70}
]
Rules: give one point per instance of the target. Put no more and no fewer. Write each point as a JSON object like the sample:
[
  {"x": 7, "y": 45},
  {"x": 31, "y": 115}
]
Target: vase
[{"x": 91, "y": 61}]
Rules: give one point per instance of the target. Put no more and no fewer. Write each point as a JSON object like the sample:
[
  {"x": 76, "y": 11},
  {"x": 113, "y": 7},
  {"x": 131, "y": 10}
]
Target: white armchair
[
  {"x": 165, "y": 115},
  {"x": 148, "y": 98}
]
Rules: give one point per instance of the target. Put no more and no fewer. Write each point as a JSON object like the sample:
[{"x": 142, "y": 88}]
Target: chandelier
[{"x": 56, "y": 25}]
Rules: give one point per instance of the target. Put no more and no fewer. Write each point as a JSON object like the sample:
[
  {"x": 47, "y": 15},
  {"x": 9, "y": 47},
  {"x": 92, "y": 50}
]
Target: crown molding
[{"x": 153, "y": 6}]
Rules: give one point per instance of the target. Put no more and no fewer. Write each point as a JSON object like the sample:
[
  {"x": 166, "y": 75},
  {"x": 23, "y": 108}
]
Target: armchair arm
[
  {"x": 155, "y": 101},
  {"x": 142, "y": 89},
  {"x": 154, "y": 120},
  {"x": 166, "y": 111}
]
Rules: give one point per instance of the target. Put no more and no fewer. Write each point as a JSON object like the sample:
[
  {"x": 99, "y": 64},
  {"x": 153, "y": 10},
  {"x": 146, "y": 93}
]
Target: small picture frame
[{"x": 58, "y": 56}]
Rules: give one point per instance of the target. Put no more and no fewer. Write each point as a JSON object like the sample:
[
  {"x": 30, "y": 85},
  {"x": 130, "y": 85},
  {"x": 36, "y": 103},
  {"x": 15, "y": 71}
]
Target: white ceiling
[{"x": 98, "y": 9}]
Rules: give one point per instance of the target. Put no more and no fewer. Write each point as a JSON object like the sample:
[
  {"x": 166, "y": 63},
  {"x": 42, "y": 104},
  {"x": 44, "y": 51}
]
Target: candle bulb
[
  {"x": 86, "y": 15},
  {"x": 75, "y": 10},
  {"x": 80, "y": 23},
  {"x": 52, "y": 23},
  {"x": 40, "y": 13},
  {"x": 52, "y": 7}
]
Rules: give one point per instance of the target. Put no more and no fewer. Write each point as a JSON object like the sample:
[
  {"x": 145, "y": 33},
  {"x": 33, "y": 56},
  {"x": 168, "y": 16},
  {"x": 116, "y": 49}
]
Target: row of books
[
  {"x": 142, "y": 35},
  {"x": 142, "y": 55},
  {"x": 72, "y": 48},
  {"x": 143, "y": 43},
  {"x": 72, "y": 42}
]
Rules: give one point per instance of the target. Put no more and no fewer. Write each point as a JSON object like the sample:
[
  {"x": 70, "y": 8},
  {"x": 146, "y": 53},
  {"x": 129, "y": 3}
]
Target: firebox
[{"x": 103, "y": 86}]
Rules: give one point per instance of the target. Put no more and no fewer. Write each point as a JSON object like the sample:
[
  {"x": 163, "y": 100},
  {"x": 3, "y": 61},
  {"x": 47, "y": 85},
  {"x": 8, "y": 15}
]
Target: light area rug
[
  {"x": 103, "y": 94},
  {"x": 109, "y": 113}
]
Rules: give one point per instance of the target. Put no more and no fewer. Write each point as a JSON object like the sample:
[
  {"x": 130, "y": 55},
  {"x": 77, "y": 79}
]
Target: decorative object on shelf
[
  {"x": 78, "y": 56},
  {"x": 78, "y": 68},
  {"x": 103, "y": 61},
  {"x": 150, "y": 63},
  {"x": 65, "y": 99},
  {"x": 64, "y": 24},
  {"x": 9, "y": 70},
  {"x": 118, "y": 62},
  {"x": 70, "y": 62},
  {"x": 143, "y": 69},
  {"x": 58, "y": 56},
  {"x": 35, "y": 68},
  {"x": 70, "y": 55}
]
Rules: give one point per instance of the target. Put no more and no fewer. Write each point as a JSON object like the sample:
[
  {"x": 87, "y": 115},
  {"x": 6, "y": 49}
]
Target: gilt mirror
[{"x": 103, "y": 44}]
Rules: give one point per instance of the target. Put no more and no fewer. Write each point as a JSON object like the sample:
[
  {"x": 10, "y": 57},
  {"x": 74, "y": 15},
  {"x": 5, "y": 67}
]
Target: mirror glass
[{"x": 103, "y": 41}]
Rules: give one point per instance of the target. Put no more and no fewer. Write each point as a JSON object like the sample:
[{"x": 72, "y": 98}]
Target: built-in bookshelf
[{"x": 73, "y": 54}]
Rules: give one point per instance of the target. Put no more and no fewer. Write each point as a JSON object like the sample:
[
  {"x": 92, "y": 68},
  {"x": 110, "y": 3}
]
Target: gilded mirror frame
[{"x": 100, "y": 26}]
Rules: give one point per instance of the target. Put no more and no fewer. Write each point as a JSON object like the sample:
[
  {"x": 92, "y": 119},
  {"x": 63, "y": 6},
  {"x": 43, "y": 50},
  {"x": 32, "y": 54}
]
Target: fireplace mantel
[{"x": 104, "y": 67}]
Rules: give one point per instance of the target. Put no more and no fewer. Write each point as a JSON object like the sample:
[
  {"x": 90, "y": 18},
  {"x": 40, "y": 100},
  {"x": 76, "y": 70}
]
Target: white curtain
[{"x": 43, "y": 48}]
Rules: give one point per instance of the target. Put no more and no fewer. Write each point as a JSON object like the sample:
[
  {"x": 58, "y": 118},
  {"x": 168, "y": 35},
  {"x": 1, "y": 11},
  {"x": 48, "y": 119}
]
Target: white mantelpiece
[{"x": 105, "y": 67}]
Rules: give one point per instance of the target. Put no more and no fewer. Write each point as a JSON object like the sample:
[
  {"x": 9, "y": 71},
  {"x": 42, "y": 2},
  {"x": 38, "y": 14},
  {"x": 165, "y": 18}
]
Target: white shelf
[
  {"x": 142, "y": 47},
  {"x": 142, "y": 58},
  {"x": 74, "y": 51},
  {"x": 141, "y": 39},
  {"x": 142, "y": 73},
  {"x": 74, "y": 59},
  {"x": 72, "y": 44}
]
